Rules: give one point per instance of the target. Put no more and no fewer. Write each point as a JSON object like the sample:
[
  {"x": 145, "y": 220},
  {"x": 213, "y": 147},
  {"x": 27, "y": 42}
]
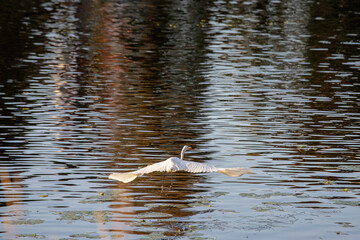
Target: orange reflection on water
[{"x": 12, "y": 195}]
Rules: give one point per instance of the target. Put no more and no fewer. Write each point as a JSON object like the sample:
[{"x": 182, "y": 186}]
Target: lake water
[{"x": 94, "y": 87}]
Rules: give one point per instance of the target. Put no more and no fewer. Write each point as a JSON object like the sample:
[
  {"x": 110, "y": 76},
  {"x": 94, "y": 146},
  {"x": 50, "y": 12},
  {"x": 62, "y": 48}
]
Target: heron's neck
[{"x": 182, "y": 153}]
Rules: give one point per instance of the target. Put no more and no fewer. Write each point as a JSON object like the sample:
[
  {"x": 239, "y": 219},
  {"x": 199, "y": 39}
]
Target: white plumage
[{"x": 175, "y": 164}]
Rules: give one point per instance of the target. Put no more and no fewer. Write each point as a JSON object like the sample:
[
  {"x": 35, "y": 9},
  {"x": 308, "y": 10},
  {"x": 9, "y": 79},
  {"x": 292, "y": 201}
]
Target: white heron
[{"x": 174, "y": 164}]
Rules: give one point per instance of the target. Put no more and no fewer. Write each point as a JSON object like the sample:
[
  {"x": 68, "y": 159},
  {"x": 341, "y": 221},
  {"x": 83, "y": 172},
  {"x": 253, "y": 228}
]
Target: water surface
[{"x": 93, "y": 87}]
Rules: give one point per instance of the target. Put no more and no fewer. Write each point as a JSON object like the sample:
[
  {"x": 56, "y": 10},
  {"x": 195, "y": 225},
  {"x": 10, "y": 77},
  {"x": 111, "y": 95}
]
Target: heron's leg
[
  {"x": 171, "y": 183},
  {"x": 162, "y": 181}
]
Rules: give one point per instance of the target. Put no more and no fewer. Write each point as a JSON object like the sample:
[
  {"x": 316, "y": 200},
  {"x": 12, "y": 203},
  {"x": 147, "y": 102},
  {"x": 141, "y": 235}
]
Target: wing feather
[
  {"x": 156, "y": 167},
  {"x": 123, "y": 177},
  {"x": 234, "y": 172},
  {"x": 195, "y": 167}
]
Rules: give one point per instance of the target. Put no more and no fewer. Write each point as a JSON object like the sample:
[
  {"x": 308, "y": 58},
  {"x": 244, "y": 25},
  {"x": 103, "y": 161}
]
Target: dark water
[{"x": 93, "y": 87}]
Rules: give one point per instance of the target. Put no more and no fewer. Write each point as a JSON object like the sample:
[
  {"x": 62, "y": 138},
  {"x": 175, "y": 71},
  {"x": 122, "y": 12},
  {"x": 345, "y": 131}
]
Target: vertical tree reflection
[{"x": 146, "y": 68}]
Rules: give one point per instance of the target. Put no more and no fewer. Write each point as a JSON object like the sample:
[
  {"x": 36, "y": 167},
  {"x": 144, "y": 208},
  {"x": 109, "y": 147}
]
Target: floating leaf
[
  {"x": 28, "y": 222},
  {"x": 350, "y": 168},
  {"x": 91, "y": 235},
  {"x": 218, "y": 194},
  {"x": 32, "y": 236},
  {"x": 265, "y": 195},
  {"x": 348, "y": 203},
  {"x": 88, "y": 216}
]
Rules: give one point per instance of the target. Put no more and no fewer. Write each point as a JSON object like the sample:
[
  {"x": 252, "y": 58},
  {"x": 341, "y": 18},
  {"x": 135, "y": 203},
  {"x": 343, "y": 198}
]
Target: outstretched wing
[
  {"x": 123, "y": 177},
  {"x": 234, "y": 172},
  {"x": 156, "y": 167},
  {"x": 195, "y": 167},
  {"x": 126, "y": 177}
]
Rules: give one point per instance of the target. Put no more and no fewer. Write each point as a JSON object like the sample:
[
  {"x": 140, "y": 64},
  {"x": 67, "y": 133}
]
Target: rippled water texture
[{"x": 93, "y": 87}]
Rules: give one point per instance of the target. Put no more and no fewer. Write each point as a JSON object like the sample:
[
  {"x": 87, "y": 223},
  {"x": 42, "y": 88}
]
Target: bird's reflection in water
[{"x": 139, "y": 207}]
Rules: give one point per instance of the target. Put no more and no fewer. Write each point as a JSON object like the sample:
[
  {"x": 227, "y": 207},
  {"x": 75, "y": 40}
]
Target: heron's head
[{"x": 186, "y": 147}]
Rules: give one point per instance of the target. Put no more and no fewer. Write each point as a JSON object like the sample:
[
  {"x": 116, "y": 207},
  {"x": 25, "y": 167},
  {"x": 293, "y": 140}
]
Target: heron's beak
[{"x": 190, "y": 148}]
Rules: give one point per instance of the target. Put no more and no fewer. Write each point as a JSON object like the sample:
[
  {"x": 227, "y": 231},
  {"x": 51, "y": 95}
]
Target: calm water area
[{"x": 91, "y": 87}]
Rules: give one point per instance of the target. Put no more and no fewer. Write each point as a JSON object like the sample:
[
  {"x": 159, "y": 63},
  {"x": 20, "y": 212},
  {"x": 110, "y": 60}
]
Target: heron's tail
[
  {"x": 123, "y": 177},
  {"x": 234, "y": 172}
]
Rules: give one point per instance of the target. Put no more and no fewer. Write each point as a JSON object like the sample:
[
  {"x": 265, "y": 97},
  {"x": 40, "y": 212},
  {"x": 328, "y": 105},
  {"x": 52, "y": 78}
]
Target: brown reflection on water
[
  {"x": 12, "y": 192},
  {"x": 151, "y": 99},
  {"x": 147, "y": 110}
]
